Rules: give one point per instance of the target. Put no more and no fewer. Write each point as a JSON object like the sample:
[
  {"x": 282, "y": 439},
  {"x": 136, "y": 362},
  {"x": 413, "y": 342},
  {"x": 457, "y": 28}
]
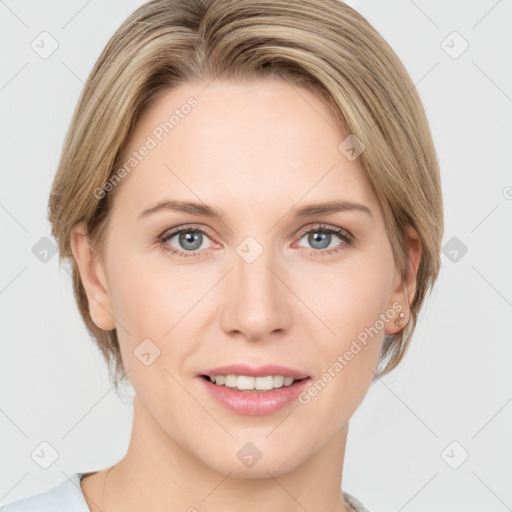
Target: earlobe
[
  {"x": 405, "y": 289},
  {"x": 93, "y": 278}
]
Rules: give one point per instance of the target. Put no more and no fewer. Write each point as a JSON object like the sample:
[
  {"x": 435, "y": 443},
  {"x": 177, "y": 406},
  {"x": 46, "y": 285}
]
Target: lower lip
[{"x": 255, "y": 403}]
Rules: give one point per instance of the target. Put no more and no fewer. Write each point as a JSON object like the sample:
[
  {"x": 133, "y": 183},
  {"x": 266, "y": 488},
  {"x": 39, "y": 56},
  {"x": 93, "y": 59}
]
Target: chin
[{"x": 265, "y": 467}]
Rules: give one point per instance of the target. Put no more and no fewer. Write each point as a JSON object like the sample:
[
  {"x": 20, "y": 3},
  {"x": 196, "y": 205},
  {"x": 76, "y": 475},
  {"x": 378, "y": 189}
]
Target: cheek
[
  {"x": 149, "y": 300},
  {"x": 348, "y": 298},
  {"x": 150, "y": 308},
  {"x": 156, "y": 304},
  {"x": 353, "y": 305}
]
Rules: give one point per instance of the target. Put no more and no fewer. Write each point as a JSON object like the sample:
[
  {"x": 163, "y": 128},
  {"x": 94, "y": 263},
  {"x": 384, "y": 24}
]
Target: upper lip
[{"x": 256, "y": 371}]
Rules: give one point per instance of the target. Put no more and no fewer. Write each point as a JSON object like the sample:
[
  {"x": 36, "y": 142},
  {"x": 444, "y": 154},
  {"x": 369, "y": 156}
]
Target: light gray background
[{"x": 455, "y": 383}]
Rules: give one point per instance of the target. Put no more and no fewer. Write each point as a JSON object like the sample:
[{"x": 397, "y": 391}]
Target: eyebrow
[{"x": 204, "y": 210}]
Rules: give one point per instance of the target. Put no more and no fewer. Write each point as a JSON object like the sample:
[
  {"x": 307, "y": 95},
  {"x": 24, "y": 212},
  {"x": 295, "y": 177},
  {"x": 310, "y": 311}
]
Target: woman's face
[{"x": 258, "y": 285}]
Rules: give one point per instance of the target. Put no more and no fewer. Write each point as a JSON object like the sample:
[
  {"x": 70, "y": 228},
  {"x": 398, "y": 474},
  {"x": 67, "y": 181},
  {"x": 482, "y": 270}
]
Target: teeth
[{"x": 244, "y": 382}]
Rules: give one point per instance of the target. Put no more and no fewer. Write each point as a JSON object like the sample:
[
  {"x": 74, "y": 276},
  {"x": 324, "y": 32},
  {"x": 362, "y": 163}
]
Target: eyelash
[{"x": 348, "y": 240}]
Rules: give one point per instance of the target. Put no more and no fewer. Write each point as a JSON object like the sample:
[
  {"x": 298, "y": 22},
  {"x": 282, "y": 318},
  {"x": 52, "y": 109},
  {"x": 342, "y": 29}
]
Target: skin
[{"x": 289, "y": 306}]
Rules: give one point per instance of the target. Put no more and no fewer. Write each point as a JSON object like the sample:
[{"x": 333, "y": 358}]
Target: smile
[{"x": 253, "y": 402}]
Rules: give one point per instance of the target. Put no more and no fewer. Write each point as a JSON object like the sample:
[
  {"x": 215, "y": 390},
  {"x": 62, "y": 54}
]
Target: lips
[
  {"x": 259, "y": 371},
  {"x": 254, "y": 403}
]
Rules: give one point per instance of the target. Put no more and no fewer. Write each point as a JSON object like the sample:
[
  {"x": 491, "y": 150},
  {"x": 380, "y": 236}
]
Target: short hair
[{"x": 323, "y": 45}]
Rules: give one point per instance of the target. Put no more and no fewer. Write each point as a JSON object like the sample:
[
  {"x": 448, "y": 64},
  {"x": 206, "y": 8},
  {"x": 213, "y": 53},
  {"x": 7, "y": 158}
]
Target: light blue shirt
[
  {"x": 68, "y": 497},
  {"x": 65, "y": 497}
]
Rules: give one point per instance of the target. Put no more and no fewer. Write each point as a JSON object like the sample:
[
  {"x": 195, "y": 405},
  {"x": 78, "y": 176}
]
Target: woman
[{"x": 250, "y": 198}]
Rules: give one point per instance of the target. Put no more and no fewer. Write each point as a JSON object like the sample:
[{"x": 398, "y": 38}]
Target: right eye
[{"x": 188, "y": 238}]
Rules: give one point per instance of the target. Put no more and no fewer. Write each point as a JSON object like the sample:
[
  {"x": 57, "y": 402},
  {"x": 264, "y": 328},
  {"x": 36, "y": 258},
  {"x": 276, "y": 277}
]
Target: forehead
[{"x": 240, "y": 146}]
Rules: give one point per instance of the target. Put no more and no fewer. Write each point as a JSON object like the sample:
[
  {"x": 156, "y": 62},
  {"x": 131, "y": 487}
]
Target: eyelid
[
  {"x": 322, "y": 226},
  {"x": 185, "y": 227}
]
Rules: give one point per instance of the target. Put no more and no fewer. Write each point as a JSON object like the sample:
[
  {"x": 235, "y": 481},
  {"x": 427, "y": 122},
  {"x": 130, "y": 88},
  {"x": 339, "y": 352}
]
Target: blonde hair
[{"x": 323, "y": 45}]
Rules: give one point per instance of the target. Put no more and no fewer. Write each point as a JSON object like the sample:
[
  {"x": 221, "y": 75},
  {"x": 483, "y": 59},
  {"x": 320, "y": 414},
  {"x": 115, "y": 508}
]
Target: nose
[{"x": 257, "y": 302}]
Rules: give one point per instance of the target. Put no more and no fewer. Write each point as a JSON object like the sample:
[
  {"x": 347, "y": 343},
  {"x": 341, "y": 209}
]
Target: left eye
[{"x": 320, "y": 238}]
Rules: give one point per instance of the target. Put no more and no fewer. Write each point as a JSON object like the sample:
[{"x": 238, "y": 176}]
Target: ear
[
  {"x": 404, "y": 289},
  {"x": 93, "y": 277}
]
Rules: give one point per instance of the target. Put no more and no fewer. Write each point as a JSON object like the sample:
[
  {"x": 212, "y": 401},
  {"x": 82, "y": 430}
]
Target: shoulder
[
  {"x": 66, "y": 496},
  {"x": 353, "y": 502}
]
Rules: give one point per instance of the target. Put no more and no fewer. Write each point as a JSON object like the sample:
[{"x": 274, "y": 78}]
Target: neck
[{"x": 157, "y": 473}]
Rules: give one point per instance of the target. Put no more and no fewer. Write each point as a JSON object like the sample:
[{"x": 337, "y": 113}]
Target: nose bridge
[
  {"x": 256, "y": 304},
  {"x": 252, "y": 269}
]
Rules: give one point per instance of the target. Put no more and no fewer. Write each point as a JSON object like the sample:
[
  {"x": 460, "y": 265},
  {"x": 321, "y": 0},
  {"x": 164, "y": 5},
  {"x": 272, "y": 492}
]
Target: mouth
[
  {"x": 254, "y": 395},
  {"x": 251, "y": 384}
]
